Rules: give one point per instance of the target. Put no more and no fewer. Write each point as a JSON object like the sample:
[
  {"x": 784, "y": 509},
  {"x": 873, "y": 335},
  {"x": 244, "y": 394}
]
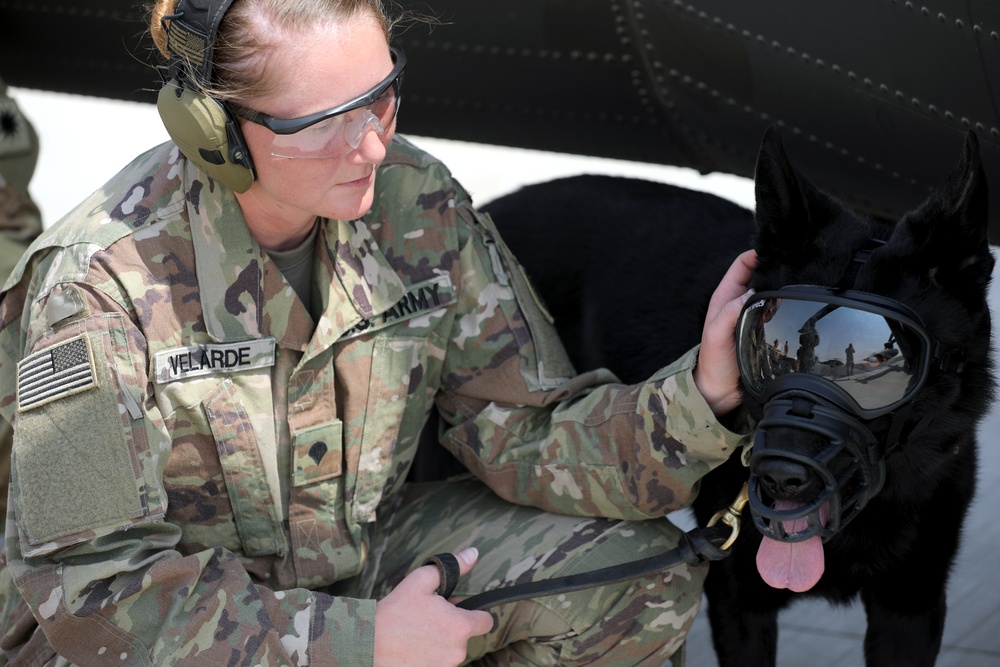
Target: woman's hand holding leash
[{"x": 415, "y": 626}]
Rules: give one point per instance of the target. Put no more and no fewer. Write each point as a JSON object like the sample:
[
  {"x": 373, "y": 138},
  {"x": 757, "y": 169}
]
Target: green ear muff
[{"x": 207, "y": 134}]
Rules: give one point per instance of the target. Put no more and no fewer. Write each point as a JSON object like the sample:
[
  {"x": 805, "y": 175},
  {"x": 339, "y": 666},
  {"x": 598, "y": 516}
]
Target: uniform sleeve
[
  {"x": 89, "y": 548},
  {"x": 539, "y": 435}
]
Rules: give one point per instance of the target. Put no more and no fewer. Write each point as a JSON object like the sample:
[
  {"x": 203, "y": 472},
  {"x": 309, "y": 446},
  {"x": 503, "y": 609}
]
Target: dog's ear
[
  {"x": 790, "y": 210},
  {"x": 950, "y": 228},
  {"x": 776, "y": 186}
]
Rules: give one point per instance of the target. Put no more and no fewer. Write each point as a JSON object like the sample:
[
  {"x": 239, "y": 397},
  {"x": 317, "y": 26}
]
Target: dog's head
[{"x": 863, "y": 337}]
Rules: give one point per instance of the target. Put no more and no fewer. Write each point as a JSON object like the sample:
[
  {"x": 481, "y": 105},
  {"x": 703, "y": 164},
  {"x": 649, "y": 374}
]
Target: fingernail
[
  {"x": 746, "y": 297},
  {"x": 469, "y": 555}
]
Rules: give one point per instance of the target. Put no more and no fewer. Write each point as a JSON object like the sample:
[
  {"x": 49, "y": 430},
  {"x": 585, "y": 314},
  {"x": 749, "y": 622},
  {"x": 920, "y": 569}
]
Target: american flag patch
[{"x": 67, "y": 368}]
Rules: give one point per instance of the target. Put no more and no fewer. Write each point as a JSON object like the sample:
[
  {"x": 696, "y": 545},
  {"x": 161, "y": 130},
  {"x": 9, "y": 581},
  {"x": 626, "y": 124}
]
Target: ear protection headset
[{"x": 204, "y": 128}]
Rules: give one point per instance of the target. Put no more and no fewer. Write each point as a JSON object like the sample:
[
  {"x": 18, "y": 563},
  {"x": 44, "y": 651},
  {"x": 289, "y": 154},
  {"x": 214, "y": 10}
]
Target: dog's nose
[{"x": 784, "y": 479}]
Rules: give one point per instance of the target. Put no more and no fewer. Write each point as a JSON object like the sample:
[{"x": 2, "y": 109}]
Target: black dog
[{"x": 629, "y": 286}]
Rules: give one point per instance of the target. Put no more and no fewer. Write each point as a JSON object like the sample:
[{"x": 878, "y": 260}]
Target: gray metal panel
[{"x": 874, "y": 95}]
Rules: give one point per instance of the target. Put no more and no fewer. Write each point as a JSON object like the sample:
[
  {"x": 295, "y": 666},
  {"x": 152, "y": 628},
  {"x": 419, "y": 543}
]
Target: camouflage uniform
[
  {"x": 20, "y": 221},
  {"x": 218, "y": 485}
]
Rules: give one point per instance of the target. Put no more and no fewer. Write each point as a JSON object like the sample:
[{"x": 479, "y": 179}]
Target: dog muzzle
[
  {"x": 824, "y": 363},
  {"x": 798, "y": 492}
]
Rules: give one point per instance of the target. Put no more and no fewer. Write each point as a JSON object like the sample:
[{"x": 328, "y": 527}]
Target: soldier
[
  {"x": 223, "y": 360},
  {"x": 20, "y": 222}
]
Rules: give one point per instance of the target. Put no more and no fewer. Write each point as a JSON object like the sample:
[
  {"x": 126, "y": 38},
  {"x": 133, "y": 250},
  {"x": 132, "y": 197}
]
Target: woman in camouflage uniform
[{"x": 217, "y": 389}]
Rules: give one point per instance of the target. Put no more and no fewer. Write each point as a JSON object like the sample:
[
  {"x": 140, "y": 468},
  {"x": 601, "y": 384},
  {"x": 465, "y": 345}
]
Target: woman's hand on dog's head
[{"x": 717, "y": 376}]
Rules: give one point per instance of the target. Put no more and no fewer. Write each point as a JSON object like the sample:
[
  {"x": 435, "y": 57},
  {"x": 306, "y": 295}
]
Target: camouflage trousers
[{"x": 640, "y": 622}]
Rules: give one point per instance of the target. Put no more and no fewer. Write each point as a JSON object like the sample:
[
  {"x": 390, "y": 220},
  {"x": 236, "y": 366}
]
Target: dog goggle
[
  {"x": 872, "y": 350},
  {"x": 335, "y": 132}
]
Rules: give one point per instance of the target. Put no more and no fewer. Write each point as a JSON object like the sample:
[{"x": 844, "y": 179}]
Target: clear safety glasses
[
  {"x": 335, "y": 132},
  {"x": 875, "y": 350}
]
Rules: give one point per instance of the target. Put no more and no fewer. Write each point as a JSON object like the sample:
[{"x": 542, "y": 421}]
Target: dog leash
[{"x": 697, "y": 546}]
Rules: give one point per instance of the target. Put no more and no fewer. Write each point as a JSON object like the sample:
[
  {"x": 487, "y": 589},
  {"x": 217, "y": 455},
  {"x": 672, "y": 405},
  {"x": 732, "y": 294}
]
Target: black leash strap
[{"x": 696, "y": 546}]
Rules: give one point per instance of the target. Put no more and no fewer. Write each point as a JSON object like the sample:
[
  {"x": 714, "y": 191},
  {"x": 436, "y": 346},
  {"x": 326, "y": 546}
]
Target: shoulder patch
[{"x": 56, "y": 372}]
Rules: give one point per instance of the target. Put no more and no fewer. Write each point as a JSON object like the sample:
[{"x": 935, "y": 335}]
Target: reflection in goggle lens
[{"x": 873, "y": 357}]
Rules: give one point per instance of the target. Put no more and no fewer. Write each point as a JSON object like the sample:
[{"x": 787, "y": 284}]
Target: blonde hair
[{"x": 252, "y": 29}]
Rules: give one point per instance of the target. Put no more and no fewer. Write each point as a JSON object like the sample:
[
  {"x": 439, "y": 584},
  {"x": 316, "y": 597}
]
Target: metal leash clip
[{"x": 731, "y": 516}]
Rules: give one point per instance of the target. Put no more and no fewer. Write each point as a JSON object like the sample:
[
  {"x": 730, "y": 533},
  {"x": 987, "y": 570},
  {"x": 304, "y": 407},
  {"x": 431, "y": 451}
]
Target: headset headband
[{"x": 191, "y": 35}]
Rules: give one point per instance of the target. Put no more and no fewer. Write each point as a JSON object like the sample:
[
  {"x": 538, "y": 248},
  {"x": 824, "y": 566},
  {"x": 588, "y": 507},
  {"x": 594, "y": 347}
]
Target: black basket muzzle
[{"x": 842, "y": 476}]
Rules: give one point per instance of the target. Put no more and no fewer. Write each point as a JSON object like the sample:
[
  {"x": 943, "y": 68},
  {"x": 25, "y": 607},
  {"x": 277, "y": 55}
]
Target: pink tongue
[{"x": 796, "y": 566}]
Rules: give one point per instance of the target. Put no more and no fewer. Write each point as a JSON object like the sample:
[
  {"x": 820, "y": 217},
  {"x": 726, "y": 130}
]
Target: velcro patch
[{"x": 56, "y": 372}]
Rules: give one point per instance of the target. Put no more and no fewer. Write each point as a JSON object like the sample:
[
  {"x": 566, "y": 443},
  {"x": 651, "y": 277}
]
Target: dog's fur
[{"x": 627, "y": 267}]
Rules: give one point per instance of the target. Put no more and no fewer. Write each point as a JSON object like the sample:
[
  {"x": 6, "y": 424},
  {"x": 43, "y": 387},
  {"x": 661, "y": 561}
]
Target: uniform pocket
[
  {"x": 397, "y": 364},
  {"x": 550, "y": 366},
  {"x": 246, "y": 482}
]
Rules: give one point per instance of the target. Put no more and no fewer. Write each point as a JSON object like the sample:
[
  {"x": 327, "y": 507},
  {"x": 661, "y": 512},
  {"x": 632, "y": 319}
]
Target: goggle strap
[
  {"x": 801, "y": 407},
  {"x": 861, "y": 257},
  {"x": 952, "y": 362},
  {"x": 896, "y": 428}
]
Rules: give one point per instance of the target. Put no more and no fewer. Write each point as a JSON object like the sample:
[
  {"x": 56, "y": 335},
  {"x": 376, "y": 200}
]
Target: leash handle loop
[{"x": 447, "y": 566}]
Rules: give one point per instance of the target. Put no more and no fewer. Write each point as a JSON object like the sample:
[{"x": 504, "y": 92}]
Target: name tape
[{"x": 212, "y": 358}]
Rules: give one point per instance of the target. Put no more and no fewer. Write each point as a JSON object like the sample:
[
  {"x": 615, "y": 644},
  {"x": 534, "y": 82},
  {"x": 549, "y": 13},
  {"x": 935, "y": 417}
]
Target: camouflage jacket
[{"x": 196, "y": 458}]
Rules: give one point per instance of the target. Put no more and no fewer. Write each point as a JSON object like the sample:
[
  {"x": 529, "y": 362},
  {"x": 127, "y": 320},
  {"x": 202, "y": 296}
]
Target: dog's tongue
[{"x": 796, "y": 566}]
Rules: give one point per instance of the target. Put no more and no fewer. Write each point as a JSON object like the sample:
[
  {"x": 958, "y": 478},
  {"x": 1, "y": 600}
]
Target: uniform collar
[{"x": 243, "y": 294}]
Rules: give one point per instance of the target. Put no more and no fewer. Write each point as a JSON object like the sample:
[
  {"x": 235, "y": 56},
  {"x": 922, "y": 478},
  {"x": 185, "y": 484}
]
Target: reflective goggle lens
[{"x": 874, "y": 357}]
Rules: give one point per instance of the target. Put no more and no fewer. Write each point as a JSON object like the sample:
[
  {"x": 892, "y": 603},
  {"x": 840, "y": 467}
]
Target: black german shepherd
[{"x": 627, "y": 268}]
